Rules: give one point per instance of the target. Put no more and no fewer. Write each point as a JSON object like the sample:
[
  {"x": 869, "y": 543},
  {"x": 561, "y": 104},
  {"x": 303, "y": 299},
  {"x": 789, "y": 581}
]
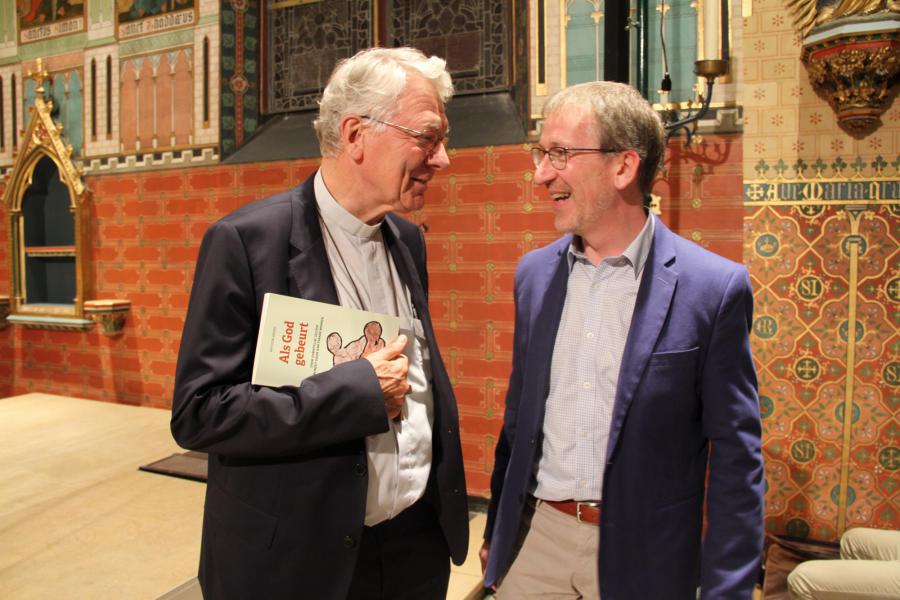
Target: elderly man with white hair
[{"x": 349, "y": 484}]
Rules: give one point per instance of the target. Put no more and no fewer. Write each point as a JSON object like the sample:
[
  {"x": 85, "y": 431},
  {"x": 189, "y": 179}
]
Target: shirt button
[
  {"x": 589, "y": 335},
  {"x": 586, "y": 385}
]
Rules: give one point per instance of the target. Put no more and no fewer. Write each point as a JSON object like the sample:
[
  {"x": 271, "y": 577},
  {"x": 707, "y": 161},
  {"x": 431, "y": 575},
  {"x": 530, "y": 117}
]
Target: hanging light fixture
[{"x": 713, "y": 64}]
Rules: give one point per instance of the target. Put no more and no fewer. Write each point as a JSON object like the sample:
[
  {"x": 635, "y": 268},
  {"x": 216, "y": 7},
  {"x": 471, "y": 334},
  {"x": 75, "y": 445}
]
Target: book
[{"x": 298, "y": 338}]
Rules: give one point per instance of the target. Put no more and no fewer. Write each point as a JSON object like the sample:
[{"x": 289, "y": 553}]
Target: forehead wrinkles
[
  {"x": 568, "y": 129},
  {"x": 419, "y": 102}
]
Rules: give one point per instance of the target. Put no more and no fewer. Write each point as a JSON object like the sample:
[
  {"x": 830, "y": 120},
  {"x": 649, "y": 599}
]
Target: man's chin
[
  {"x": 563, "y": 225},
  {"x": 410, "y": 202}
]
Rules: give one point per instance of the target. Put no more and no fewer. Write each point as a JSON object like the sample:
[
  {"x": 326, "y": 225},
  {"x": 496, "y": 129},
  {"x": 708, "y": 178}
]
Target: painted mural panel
[
  {"x": 471, "y": 35},
  {"x": 41, "y": 20},
  {"x": 305, "y": 42},
  {"x": 142, "y": 17},
  {"x": 825, "y": 206},
  {"x": 156, "y": 101},
  {"x": 823, "y": 254}
]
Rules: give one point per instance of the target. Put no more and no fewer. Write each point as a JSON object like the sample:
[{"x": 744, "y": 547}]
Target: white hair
[{"x": 369, "y": 83}]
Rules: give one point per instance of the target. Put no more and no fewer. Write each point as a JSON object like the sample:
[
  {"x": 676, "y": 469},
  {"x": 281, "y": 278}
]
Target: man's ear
[
  {"x": 352, "y": 134},
  {"x": 627, "y": 169}
]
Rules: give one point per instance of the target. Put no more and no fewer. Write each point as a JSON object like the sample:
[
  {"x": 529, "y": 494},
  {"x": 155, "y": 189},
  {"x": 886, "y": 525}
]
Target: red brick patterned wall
[{"x": 482, "y": 214}]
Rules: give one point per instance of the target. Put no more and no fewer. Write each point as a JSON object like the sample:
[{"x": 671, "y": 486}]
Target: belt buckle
[{"x": 578, "y": 506}]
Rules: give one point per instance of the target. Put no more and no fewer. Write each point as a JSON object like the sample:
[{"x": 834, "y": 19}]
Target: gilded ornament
[
  {"x": 808, "y": 14},
  {"x": 851, "y": 49}
]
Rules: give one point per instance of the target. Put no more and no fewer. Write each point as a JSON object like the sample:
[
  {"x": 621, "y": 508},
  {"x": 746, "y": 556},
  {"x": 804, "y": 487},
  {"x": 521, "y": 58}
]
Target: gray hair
[
  {"x": 369, "y": 83},
  {"x": 623, "y": 118}
]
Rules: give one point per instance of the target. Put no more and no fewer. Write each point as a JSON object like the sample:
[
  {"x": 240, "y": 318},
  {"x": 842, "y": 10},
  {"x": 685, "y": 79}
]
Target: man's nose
[
  {"x": 544, "y": 173},
  {"x": 439, "y": 158}
]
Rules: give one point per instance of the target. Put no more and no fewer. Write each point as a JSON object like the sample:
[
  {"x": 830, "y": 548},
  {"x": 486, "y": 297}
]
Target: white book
[{"x": 299, "y": 338}]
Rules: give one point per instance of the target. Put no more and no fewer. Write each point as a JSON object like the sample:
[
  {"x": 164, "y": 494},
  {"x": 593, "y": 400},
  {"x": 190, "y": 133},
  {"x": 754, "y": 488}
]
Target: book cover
[{"x": 299, "y": 338}]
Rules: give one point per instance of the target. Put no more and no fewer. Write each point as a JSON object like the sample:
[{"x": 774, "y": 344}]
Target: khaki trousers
[
  {"x": 557, "y": 559},
  {"x": 869, "y": 568}
]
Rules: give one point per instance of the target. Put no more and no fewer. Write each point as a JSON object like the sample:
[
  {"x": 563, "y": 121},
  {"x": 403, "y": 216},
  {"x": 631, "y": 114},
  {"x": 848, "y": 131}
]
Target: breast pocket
[
  {"x": 672, "y": 372},
  {"x": 680, "y": 358},
  {"x": 670, "y": 381}
]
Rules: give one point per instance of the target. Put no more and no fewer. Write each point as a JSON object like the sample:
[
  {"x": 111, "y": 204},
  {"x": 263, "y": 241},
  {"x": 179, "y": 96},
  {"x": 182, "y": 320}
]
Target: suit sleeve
[
  {"x": 504, "y": 446},
  {"x": 733, "y": 545},
  {"x": 215, "y": 407}
]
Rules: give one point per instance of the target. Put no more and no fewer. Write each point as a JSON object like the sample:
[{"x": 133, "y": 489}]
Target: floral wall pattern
[{"x": 821, "y": 240}]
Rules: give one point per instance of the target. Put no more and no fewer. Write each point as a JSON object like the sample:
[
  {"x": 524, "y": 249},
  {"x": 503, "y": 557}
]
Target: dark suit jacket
[
  {"x": 687, "y": 379},
  {"x": 286, "y": 494}
]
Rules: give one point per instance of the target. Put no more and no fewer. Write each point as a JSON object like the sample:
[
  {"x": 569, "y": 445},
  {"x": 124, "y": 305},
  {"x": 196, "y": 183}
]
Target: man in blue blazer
[
  {"x": 348, "y": 485},
  {"x": 632, "y": 402}
]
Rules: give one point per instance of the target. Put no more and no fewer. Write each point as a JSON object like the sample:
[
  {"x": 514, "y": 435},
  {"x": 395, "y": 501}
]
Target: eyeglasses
[
  {"x": 428, "y": 141},
  {"x": 559, "y": 155}
]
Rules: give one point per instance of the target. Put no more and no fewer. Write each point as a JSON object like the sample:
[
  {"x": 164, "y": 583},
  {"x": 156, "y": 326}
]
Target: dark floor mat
[{"x": 187, "y": 465}]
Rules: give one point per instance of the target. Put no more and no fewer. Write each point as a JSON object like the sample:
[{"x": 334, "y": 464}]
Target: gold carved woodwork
[
  {"x": 851, "y": 49},
  {"x": 42, "y": 141},
  {"x": 808, "y": 14},
  {"x": 109, "y": 314},
  {"x": 857, "y": 80}
]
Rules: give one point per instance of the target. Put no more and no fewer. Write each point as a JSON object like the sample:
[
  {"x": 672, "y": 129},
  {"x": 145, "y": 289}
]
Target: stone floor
[{"x": 78, "y": 520}]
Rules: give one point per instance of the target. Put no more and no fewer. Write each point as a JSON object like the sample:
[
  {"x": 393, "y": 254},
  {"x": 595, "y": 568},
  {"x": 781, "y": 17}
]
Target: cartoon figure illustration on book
[{"x": 370, "y": 342}]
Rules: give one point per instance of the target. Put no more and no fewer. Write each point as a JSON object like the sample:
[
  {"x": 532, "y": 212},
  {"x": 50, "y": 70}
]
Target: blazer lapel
[
  {"x": 409, "y": 274},
  {"x": 650, "y": 310},
  {"x": 406, "y": 268},
  {"x": 310, "y": 272},
  {"x": 542, "y": 338}
]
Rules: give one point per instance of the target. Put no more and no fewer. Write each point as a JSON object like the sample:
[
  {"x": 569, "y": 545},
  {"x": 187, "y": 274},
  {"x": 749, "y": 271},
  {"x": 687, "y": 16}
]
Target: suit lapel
[
  {"x": 309, "y": 270},
  {"x": 406, "y": 269},
  {"x": 650, "y": 310},
  {"x": 542, "y": 339},
  {"x": 409, "y": 274}
]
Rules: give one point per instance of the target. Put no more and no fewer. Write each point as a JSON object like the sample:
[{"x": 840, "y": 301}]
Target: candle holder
[
  {"x": 710, "y": 69},
  {"x": 674, "y": 121}
]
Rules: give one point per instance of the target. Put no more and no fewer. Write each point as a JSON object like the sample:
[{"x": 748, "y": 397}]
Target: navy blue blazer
[
  {"x": 286, "y": 494},
  {"x": 686, "y": 397}
]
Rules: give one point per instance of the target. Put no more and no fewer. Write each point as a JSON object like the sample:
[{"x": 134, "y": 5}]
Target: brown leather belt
[{"x": 585, "y": 512}]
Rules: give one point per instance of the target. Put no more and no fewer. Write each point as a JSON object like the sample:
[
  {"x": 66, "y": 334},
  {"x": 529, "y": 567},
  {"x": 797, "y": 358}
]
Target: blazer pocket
[
  {"x": 236, "y": 516},
  {"x": 675, "y": 357}
]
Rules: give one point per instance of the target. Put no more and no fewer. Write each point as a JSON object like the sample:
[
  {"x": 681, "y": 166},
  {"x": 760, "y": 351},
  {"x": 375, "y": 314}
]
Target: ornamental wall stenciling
[{"x": 822, "y": 248}]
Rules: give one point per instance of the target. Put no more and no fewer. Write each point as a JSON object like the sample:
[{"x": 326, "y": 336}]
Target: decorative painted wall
[
  {"x": 135, "y": 81},
  {"x": 482, "y": 214},
  {"x": 810, "y": 209},
  {"x": 821, "y": 240}
]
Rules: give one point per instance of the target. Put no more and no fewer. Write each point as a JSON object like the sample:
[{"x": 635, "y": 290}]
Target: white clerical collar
[{"x": 335, "y": 214}]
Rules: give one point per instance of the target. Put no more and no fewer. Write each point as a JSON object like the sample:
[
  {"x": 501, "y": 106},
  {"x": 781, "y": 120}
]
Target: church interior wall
[{"x": 738, "y": 190}]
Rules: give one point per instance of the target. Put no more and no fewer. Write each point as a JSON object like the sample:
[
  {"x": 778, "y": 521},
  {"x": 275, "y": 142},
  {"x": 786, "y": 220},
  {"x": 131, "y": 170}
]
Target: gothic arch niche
[{"x": 45, "y": 199}]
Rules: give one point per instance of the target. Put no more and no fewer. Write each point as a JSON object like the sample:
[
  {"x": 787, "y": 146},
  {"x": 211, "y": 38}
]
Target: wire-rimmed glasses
[
  {"x": 428, "y": 140},
  {"x": 559, "y": 155}
]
